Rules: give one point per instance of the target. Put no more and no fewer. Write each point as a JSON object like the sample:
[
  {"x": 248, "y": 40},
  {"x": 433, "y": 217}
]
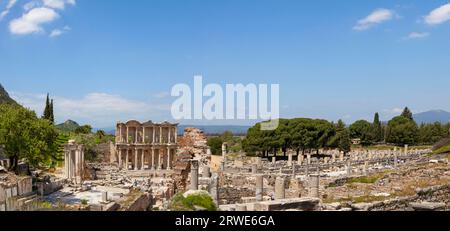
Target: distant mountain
[
  {"x": 4, "y": 96},
  {"x": 68, "y": 126},
  {"x": 432, "y": 116}
]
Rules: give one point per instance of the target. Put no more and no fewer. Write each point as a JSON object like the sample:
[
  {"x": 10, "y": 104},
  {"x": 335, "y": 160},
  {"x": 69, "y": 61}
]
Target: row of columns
[
  {"x": 74, "y": 162},
  {"x": 156, "y": 163},
  {"x": 172, "y": 133}
]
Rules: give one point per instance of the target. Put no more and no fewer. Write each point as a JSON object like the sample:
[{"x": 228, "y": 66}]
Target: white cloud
[
  {"x": 438, "y": 15},
  {"x": 376, "y": 17},
  {"x": 59, "y": 32},
  {"x": 31, "y": 22},
  {"x": 97, "y": 109},
  {"x": 10, "y": 5},
  {"x": 418, "y": 35},
  {"x": 58, "y": 4}
]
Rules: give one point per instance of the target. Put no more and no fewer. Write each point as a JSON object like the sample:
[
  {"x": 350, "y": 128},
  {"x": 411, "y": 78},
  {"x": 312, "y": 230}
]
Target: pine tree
[{"x": 407, "y": 113}]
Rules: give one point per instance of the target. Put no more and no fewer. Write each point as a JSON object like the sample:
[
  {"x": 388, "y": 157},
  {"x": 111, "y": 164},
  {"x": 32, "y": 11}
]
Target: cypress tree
[
  {"x": 51, "y": 115},
  {"x": 46, "y": 114},
  {"x": 377, "y": 129}
]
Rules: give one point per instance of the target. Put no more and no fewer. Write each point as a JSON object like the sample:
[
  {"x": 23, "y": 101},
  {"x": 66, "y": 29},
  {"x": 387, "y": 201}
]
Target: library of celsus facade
[{"x": 146, "y": 146}]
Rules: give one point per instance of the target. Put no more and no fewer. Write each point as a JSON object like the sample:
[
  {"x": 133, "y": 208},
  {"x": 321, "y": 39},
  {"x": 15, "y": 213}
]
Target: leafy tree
[
  {"x": 401, "y": 130},
  {"x": 342, "y": 138},
  {"x": 85, "y": 129},
  {"x": 215, "y": 144},
  {"x": 361, "y": 129},
  {"x": 407, "y": 113},
  {"x": 25, "y": 137}
]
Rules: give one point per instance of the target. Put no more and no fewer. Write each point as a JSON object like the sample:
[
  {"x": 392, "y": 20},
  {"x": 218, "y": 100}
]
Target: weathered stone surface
[
  {"x": 427, "y": 206},
  {"x": 302, "y": 204}
]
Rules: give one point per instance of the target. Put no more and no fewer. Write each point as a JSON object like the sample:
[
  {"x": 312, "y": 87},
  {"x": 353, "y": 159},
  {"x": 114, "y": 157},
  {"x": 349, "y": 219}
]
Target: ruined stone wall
[{"x": 233, "y": 195}]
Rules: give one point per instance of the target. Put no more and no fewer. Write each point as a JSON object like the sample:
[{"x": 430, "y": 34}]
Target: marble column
[
  {"x": 127, "y": 165},
  {"x": 194, "y": 175},
  {"x": 169, "y": 140},
  {"x": 153, "y": 159},
  {"x": 142, "y": 159},
  {"x": 160, "y": 135},
  {"x": 259, "y": 187},
  {"x": 168, "y": 159},
  {"x": 135, "y": 159},
  {"x": 159, "y": 159},
  {"x": 308, "y": 158},
  {"x": 128, "y": 135},
  {"x": 153, "y": 134},
  {"x": 289, "y": 163},
  {"x": 314, "y": 180},
  {"x": 120, "y": 158}
]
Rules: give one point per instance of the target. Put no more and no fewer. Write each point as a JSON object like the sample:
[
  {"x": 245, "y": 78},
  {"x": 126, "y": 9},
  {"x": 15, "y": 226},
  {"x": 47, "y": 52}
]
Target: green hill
[
  {"x": 68, "y": 126},
  {"x": 4, "y": 96}
]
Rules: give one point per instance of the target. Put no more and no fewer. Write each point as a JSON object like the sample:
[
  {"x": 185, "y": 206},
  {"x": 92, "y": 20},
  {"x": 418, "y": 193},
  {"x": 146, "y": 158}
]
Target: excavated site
[{"x": 362, "y": 180}]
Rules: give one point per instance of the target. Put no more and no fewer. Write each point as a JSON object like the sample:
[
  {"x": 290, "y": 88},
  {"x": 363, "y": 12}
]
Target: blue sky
[{"x": 104, "y": 60}]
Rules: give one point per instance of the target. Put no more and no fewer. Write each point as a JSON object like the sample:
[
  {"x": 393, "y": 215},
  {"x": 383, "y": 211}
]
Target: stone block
[
  {"x": 302, "y": 204},
  {"x": 427, "y": 206}
]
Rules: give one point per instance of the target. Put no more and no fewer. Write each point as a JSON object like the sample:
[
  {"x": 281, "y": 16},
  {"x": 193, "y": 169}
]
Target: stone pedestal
[
  {"x": 206, "y": 172},
  {"x": 280, "y": 188},
  {"x": 259, "y": 187},
  {"x": 214, "y": 188},
  {"x": 254, "y": 168},
  {"x": 289, "y": 163},
  {"x": 314, "y": 180}
]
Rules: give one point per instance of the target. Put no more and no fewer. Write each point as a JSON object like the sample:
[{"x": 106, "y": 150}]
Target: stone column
[
  {"x": 136, "y": 135},
  {"x": 126, "y": 161},
  {"x": 175, "y": 133},
  {"x": 341, "y": 156},
  {"x": 279, "y": 188},
  {"x": 104, "y": 196},
  {"x": 135, "y": 159},
  {"x": 194, "y": 175},
  {"x": 314, "y": 180},
  {"x": 160, "y": 135},
  {"x": 143, "y": 135},
  {"x": 308, "y": 156},
  {"x": 128, "y": 135},
  {"x": 120, "y": 158},
  {"x": 254, "y": 168},
  {"x": 168, "y": 158},
  {"x": 406, "y": 149},
  {"x": 300, "y": 159},
  {"x": 153, "y": 158},
  {"x": 289, "y": 159},
  {"x": 274, "y": 160},
  {"x": 206, "y": 173},
  {"x": 333, "y": 158},
  {"x": 159, "y": 159},
  {"x": 169, "y": 139},
  {"x": 395, "y": 160},
  {"x": 142, "y": 159},
  {"x": 366, "y": 165},
  {"x": 259, "y": 187},
  {"x": 224, "y": 152},
  {"x": 349, "y": 167},
  {"x": 120, "y": 134},
  {"x": 153, "y": 134},
  {"x": 214, "y": 188}
]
